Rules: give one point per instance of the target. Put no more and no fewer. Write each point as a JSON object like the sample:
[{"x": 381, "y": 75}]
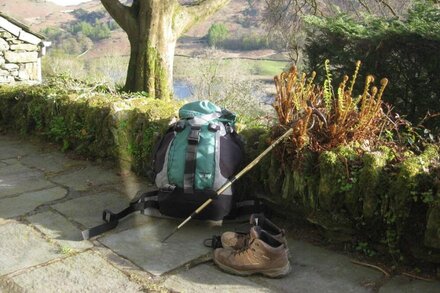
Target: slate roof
[{"x": 20, "y": 30}]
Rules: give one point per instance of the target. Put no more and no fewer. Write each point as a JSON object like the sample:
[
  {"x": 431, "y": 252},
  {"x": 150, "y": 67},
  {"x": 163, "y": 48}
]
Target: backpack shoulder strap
[{"x": 139, "y": 203}]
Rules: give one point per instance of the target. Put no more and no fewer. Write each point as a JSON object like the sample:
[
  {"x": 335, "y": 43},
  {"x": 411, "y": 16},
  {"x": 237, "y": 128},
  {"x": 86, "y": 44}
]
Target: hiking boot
[
  {"x": 264, "y": 255},
  {"x": 236, "y": 240}
]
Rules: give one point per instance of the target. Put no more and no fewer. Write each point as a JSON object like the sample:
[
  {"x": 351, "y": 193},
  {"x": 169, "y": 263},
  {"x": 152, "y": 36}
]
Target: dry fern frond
[{"x": 347, "y": 118}]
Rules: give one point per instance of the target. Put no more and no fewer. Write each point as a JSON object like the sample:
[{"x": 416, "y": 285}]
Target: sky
[{"x": 67, "y": 2}]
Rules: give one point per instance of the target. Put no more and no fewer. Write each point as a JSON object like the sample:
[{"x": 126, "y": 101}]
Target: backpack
[{"x": 194, "y": 158}]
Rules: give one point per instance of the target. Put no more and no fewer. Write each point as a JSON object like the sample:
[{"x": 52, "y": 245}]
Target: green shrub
[
  {"x": 254, "y": 42},
  {"x": 245, "y": 43},
  {"x": 217, "y": 33},
  {"x": 88, "y": 120},
  {"x": 404, "y": 51},
  {"x": 95, "y": 31}
]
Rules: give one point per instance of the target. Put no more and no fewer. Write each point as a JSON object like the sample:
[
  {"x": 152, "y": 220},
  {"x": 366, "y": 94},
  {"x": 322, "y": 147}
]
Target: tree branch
[
  {"x": 188, "y": 15},
  {"x": 387, "y": 5},
  {"x": 120, "y": 13}
]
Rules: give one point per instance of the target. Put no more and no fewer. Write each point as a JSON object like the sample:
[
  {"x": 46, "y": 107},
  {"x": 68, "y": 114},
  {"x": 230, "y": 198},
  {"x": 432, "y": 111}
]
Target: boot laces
[{"x": 245, "y": 248}]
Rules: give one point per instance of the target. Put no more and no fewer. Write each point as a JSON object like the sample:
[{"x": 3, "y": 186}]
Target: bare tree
[
  {"x": 153, "y": 27},
  {"x": 283, "y": 17}
]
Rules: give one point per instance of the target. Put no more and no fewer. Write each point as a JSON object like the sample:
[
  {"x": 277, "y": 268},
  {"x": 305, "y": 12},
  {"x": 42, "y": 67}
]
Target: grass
[
  {"x": 252, "y": 68},
  {"x": 113, "y": 70},
  {"x": 267, "y": 67}
]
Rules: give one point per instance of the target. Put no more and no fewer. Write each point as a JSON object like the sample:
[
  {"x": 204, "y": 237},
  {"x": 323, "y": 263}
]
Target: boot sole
[{"x": 271, "y": 273}]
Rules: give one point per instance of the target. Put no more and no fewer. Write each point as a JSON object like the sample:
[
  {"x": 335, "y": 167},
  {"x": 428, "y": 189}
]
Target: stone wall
[
  {"x": 379, "y": 203},
  {"x": 19, "y": 61}
]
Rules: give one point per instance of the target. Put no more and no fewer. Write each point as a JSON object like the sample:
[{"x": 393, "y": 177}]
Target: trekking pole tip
[{"x": 169, "y": 235}]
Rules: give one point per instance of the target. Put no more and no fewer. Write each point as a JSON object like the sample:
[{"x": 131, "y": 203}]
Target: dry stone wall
[{"x": 19, "y": 61}]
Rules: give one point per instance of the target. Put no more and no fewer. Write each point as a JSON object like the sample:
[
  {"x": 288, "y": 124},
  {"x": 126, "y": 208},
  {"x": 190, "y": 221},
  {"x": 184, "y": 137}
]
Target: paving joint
[
  {"x": 47, "y": 238},
  {"x": 190, "y": 264},
  {"x": 44, "y": 264},
  {"x": 134, "y": 272},
  {"x": 9, "y": 285},
  {"x": 21, "y": 193}
]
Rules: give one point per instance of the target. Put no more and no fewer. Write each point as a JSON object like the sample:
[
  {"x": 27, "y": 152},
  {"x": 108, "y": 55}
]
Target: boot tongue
[{"x": 256, "y": 219}]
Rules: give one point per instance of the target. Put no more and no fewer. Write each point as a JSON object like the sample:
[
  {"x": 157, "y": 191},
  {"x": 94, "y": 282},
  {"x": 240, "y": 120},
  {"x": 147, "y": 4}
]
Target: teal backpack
[
  {"x": 194, "y": 158},
  {"x": 200, "y": 151}
]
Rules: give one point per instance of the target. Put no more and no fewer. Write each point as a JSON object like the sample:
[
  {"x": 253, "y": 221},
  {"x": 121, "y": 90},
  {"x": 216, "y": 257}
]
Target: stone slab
[
  {"x": 6, "y": 79},
  {"x": 26, "y": 202},
  {"x": 10, "y": 66},
  {"x": 11, "y": 161},
  {"x": 148, "y": 282},
  {"x": 330, "y": 272},
  {"x": 88, "y": 177},
  {"x": 21, "y": 57},
  {"x": 24, "y": 47},
  {"x": 16, "y": 179},
  {"x": 207, "y": 278},
  {"x": 314, "y": 269},
  {"x": 14, "y": 149},
  {"x": 3, "y": 45},
  {"x": 312, "y": 280},
  {"x": 9, "y": 286},
  {"x": 16, "y": 168},
  {"x": 87, "y": 210},
  {"x": 59, "y": 229},
  {"x": 21, "y": 247},
  {"x": 403, "y": 284},
  {"x": 17, "y": 186},
  {"x": 143, "y": 246},
  {"x": 85, "y": 272},
  {"x": 130, "y": 184},
  {"x": 50, "y": 162}
]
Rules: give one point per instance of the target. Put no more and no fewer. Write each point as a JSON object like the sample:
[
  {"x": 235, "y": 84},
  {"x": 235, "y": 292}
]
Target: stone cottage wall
[{"x": 19, "y": 61}]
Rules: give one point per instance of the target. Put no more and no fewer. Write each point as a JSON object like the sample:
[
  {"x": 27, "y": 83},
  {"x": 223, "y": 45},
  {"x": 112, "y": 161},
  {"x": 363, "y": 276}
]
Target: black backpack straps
[
  {"x": 246, "y": 207},
  {"x": 190, "y": 159},
  {"x": 111, "y": 219}
]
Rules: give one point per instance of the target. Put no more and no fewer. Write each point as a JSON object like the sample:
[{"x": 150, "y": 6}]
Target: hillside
[{"x": 238, "y": 17}]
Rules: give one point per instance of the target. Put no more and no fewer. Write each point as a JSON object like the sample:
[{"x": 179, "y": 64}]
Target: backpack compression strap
[
  {"x": 112, "y": 220},
  {"x": 191, "y": 151},
  {"x": 190, "y": 159}
]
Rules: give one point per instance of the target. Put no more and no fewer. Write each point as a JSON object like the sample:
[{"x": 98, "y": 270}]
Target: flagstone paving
[{"x": 46, "y": 199}]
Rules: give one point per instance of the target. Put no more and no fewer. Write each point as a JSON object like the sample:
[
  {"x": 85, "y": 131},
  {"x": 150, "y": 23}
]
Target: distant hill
[{"x": 238, "y": 16}]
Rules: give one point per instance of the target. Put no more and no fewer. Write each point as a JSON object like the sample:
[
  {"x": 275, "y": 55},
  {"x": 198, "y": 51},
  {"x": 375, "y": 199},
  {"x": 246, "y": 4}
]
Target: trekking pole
[{"x": 229, "y": 183}]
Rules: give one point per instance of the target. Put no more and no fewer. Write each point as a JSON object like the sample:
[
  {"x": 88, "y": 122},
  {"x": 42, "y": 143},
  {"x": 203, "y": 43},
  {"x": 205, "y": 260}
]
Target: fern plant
[{"x": 347, "y": 119}]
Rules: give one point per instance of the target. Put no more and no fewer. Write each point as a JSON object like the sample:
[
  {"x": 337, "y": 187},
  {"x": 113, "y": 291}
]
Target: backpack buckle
[
  {"x": 179, "y": 125},
  {"x": 213, "y": 127},
  {"x": 108, "y": 216},
  {"x": 194, "y": 135},
  {"x": 168, "y": 188}
]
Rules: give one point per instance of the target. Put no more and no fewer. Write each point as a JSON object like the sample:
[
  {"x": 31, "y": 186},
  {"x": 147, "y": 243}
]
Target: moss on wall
[
  {"x": 370, "y": 197},
  {"x": 97, "y": 125}
]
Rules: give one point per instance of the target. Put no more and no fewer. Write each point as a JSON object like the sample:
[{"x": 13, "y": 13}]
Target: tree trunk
[
  {"x": 153, "y": 27},
  {"x": 152, "y": 50}
]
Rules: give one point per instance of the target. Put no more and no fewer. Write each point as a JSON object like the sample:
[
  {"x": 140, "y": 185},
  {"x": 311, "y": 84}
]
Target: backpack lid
[
  {"x": 205, "y": 107},
  {"x": 198, "y": 108}
]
